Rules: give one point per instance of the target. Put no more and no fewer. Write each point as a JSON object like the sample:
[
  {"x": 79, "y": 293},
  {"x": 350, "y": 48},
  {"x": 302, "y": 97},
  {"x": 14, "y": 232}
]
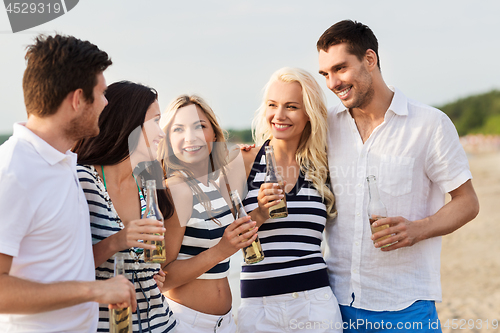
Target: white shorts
[
  {"x": 314, "y": 310},
  {"x": 191, "y": 321}
]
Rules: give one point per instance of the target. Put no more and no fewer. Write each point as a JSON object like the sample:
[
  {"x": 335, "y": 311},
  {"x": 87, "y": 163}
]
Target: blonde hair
[
  {"x": 311, "y": 153},
  {"x": 217, "y": 158}
]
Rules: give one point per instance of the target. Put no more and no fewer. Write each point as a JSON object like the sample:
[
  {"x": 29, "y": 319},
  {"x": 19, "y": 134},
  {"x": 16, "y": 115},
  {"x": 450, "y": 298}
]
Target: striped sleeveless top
[
  {"x": 292, "y": 245},
  {"x": 154, "y": 311},
  {"x": 202, "y": 233}
]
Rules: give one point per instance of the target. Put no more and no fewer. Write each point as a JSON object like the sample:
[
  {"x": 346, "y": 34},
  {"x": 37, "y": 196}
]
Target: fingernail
[
  {"x": 280, "y": 191},
  {"x": 281, "y": 196}
]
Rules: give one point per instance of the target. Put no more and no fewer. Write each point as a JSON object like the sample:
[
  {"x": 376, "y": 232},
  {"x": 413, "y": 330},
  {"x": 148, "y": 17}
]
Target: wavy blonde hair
[
  {"x": 311, "y": 153},
  {"x": 217, "y": 159}
]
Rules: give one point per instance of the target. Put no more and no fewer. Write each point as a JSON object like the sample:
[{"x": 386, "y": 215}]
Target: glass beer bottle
[
  {"x": 252, "y": 253},
  {"x": 272, "y": 176},
  {"x": 376, "y": 209},
  {"x": 120, "y": 320},
  {"x": 153, "y": 212}
]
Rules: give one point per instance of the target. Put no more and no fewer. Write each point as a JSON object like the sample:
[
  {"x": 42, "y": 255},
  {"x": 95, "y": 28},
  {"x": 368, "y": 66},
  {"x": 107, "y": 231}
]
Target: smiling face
[
  {"x": 346, "y": 76},
  {"x": 285, "y": 112},
  {"x": 151, "y": 135},
  {"x": 191, "y": 135}
]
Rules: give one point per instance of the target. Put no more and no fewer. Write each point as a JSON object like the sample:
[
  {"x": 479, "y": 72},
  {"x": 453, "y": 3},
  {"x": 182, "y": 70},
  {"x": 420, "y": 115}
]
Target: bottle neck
[
  {"x": 119, "y": 266},
  {"x": 151, "y": 195},
  {"x": 238, "y": 204},
  {"x": 270, "y": 163},
  {"x": 373, "y": 190}
]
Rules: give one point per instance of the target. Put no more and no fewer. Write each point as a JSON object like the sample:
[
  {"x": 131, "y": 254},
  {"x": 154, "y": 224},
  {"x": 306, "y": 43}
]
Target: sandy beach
[{"x": 470, "y": 258}]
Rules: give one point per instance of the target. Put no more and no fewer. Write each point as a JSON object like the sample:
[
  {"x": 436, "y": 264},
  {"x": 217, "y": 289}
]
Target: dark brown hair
[
  {"x": 356, "y": 35},
  {"x": 56, "y": 66}
]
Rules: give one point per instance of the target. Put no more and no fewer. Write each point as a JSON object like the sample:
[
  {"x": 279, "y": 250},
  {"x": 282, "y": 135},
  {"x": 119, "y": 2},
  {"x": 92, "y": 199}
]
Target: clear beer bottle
[
  {"x": 252, "y": 253},
  {"x": 272, "y": 176},
  {"x": 120, "y": 320},
  {"x": 376, "y": 209},
  {"x": 157, "y": 255}
]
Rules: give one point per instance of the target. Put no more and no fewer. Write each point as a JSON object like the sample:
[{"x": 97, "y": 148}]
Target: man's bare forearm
[
  {"x": 463, "y": 207},
  {"x": 18, "y": 296}
]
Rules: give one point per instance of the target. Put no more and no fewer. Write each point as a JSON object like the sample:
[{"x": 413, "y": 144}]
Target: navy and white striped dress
[
  {"x": 293, "y": 260},
  {"x": 203, "y": 233},
  {"x": 104, "y": 222}
]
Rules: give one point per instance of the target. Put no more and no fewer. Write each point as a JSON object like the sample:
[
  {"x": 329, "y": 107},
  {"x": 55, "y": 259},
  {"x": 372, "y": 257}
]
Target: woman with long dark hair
[{"x": 112, "y": 169}]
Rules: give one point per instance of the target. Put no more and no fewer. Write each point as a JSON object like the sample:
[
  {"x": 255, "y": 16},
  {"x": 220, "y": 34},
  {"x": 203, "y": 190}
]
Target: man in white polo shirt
[
  {"x": 47, "y": 281},
  {"x": 414, "y": 152}
]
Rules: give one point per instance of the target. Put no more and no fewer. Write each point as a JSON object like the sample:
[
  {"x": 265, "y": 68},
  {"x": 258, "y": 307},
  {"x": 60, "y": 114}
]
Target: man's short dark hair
[
  {"x": 56, "y": 66},
  {"x": 356, "y": 35}
]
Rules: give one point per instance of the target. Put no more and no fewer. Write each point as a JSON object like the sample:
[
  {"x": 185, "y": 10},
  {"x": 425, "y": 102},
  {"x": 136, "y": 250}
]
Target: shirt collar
[
  {"x": 46, "y": 151},
  {"x": 399, "y": 104}
]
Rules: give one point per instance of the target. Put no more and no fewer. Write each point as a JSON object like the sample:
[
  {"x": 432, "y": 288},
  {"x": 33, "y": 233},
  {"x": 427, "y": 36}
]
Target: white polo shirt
[
  {"x": 416, "y": 157},
  {"x": 45, "y": 227}
]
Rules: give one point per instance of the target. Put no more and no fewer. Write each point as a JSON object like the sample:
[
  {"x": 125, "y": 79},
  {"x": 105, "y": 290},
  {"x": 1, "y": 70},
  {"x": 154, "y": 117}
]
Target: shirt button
[
  {"x": 357, "y": 243},
  {"x": 358, "y": 214},
  {"x": 326, "y": 296},
  {"x": 295, "y": 295},
  {"x": 355, "y": 271},
  {"x": 359, "y": 185}
]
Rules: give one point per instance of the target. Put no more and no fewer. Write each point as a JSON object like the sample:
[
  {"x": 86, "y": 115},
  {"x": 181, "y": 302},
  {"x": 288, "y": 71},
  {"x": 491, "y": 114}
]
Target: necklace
[{"x": 135, "y": 252}]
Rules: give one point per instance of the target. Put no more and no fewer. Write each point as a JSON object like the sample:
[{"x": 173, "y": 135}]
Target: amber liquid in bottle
[
  {"x": 376, "y": 209},
  {"x": 120, "y": 320},
  {"x": 157, "y": 255},
  {"x": 252, "y": 253}
]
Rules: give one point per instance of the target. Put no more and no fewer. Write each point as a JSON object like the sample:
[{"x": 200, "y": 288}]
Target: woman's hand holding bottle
[
  {"x": 270, "y": 194},
  {"x": 140, "y": 230},
  {"x": 239, "y": 234}
]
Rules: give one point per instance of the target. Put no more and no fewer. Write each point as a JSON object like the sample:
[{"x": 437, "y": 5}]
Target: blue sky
[{"x": 225, "y": 51}]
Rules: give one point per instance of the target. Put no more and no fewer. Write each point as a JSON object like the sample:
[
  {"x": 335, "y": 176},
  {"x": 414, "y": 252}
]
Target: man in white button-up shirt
[
  {"x": 46, "y": 262},
  {"x": 414, "y": 152}
]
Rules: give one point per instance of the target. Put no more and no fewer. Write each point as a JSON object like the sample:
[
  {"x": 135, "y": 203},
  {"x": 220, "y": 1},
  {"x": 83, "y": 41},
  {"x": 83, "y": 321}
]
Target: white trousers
[
  {"x": 315, "y": 311},
  {"x": 192, "y": 321}
]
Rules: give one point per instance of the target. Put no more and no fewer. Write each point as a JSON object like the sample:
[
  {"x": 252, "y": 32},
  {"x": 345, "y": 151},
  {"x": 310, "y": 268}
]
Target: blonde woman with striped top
[{"x": 289, "y": 289}]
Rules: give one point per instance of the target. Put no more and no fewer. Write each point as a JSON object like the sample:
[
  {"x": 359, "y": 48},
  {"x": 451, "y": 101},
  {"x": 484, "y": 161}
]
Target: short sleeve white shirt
[
  {"x": 416, "y": 157},
  {"x": 45, "y": 227}
]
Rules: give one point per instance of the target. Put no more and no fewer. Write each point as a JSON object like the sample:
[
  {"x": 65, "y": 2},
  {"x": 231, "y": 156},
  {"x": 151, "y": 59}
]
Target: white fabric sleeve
[
  {"x": 16, "y": 214},
  {"x": 446, "y": 162}
]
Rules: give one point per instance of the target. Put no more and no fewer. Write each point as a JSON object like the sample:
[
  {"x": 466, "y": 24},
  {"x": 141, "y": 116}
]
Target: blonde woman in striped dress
[{"x": 289, "y": 290}]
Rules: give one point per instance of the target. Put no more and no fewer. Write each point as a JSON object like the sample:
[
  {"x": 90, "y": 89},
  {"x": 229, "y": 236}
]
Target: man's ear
[
  {"x": 76, "y": 99},
  {"x": 371, "y": 59}
]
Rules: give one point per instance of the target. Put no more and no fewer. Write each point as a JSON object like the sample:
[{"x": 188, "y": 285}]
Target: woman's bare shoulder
[{"x": 178, "y": 188}]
